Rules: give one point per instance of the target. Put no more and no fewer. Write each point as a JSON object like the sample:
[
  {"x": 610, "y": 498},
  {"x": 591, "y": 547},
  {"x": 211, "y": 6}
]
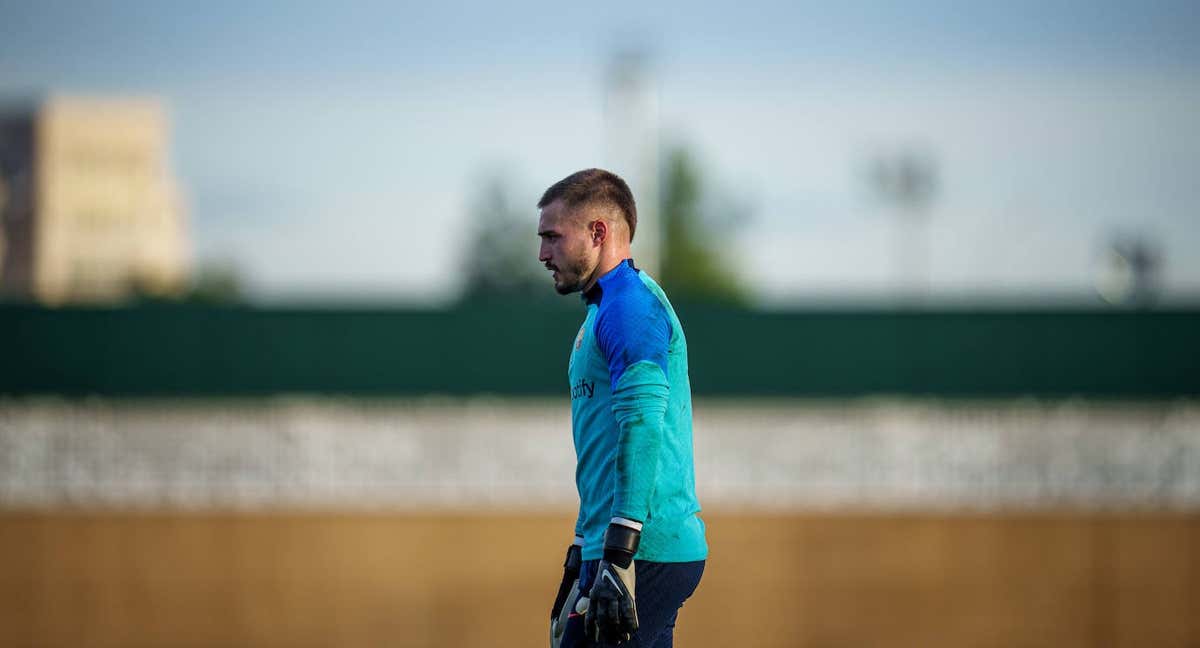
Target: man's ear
[{"x": 599, "y": 231}]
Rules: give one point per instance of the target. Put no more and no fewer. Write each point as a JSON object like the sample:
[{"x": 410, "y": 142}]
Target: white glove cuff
[{"x": 626, "y": 522}]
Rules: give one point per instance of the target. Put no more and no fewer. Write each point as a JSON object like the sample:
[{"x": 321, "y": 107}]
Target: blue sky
[{"x": 330, "y": 150}]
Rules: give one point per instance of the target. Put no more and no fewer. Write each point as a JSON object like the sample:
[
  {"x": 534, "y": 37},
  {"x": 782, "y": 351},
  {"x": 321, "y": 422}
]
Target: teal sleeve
[{"x": 639, "y": 405}]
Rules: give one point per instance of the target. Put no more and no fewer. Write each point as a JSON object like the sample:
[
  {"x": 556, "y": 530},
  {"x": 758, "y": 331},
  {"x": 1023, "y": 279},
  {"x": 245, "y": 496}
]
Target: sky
[{"x": 332, "y": 150}]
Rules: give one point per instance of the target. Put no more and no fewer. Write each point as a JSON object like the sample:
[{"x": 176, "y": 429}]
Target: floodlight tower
[
  {"x": 907, "y": 181},
  {"x": 1129, "y": 274},
  {"x": 632, "y": 145}
]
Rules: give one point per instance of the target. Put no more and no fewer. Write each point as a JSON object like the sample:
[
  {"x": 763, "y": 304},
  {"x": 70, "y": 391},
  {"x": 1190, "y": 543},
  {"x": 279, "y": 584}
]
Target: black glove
[
  {"x": 611, "y": 607},
  {"x": 564, "y": 603}
]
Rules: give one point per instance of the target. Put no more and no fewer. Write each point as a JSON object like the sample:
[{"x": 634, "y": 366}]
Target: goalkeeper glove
[
  {"x": 568, "y": 590},
  {"x": 611, "y": 606}
]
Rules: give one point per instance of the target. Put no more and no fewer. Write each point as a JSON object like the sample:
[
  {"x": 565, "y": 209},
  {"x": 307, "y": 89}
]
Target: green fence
[{"x": 508, "y": 348}]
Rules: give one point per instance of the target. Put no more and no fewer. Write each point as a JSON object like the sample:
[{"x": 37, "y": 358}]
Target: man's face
[{"x": 568, "y": 248}]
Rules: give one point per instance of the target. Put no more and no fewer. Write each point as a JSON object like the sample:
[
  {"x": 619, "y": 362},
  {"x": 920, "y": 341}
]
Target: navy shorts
[{"x": 660, "y": 591}]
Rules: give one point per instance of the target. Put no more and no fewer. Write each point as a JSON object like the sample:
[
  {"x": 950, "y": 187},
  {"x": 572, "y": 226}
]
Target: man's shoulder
[
  {"x": 632, "y": 323},
  {"x": 632, "y": 298}
]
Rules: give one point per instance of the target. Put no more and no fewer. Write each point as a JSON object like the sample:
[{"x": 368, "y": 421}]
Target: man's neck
[{"x": 606, "y": 265}]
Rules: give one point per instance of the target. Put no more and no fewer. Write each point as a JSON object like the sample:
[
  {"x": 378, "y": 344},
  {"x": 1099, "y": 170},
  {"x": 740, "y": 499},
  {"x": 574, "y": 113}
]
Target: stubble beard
[
  {"x": 563, "y": 289},
  {"x": 570, "y": 277},
  {"x": 564, "y": 286}
]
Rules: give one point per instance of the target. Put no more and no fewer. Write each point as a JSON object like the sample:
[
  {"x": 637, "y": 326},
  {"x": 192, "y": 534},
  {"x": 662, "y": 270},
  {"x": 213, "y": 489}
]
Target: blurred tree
[
  {"x": 215, "y": 283},
  {"x": 502, "y": 259},
  {"x": 694, "y": 268}
]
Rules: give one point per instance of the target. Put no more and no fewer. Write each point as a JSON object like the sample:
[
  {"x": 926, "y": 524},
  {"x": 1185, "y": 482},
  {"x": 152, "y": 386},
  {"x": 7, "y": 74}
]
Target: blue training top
[{"x": 631, "y": 414}]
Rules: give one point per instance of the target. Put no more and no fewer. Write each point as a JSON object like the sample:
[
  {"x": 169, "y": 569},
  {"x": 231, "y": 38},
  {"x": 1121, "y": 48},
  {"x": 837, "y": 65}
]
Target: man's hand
[
  {"x": 612, "y": 607},
  {"x": 564, "y": 603}
]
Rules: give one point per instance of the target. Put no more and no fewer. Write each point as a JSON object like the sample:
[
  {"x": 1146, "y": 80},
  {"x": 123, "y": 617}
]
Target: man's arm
[
  {"x": 640, "y": 405},
  {"x": 634, "y": 336}
]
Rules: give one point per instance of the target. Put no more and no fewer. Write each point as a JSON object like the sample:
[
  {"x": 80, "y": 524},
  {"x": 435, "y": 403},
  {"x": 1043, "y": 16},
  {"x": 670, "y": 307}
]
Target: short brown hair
[{"x": 594, "y": 187}]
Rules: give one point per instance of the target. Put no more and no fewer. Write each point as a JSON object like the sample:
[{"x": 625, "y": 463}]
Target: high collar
[{"x": 593, "y": 294}]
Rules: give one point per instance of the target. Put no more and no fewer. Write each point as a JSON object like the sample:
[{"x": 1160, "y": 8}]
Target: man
[{"x": 639, "y": 545}]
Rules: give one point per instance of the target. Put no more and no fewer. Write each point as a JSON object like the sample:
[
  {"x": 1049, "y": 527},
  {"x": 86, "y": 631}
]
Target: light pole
[
  {"x": 907, "y": 181},
  {"x": 632, "y": 145}
]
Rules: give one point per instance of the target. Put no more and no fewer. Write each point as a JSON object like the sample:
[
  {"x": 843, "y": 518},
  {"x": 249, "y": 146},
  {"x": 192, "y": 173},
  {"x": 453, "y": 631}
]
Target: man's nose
[{"x": 543, "y": 254}]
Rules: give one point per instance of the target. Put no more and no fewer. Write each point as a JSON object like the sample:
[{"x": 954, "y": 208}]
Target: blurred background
[{"x": 279, "y": 366}]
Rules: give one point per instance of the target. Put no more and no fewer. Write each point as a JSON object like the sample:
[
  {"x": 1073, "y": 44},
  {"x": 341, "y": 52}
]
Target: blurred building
[{"x": 89, "y": 210}]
